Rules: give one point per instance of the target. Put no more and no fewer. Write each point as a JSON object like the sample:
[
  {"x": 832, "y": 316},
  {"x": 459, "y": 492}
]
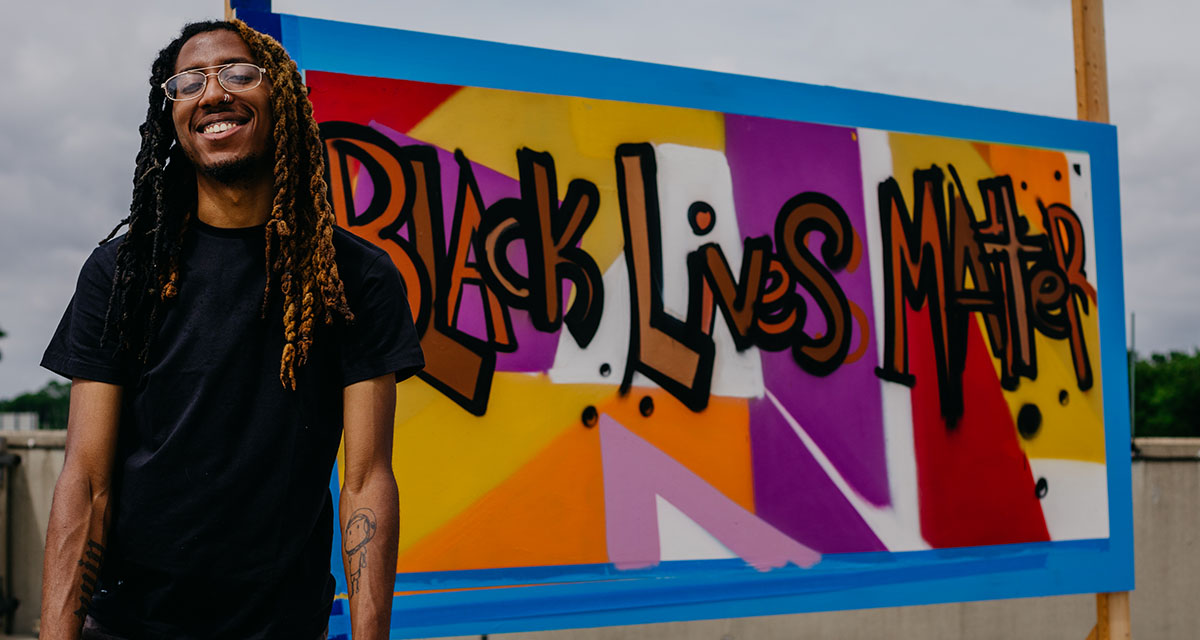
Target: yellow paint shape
[
  {"x": 445, "y": 459},
  {"x": 489, "y": 125},
  {"x": 548, "y": 512},
  {"x": 912, "y": 152},
  {"x": 1071, "y": 431}
]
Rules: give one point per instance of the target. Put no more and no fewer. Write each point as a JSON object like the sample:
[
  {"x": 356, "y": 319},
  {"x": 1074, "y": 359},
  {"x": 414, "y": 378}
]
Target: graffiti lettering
[
  {"x": 407, "y": 193},
  {"x": 996, "y": 267},
  {"x": 521, "y": 252},
  {"x": 675, "y": 354},
  {"x": 551, "y": 234}
]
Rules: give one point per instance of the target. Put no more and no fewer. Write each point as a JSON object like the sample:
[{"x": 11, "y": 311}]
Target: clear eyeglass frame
[{"x": 220, "y": 71}]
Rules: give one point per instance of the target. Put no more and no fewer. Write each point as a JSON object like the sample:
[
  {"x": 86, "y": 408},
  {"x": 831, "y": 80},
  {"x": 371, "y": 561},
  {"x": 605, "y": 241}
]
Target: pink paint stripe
[{"x": 635, "y": 472}]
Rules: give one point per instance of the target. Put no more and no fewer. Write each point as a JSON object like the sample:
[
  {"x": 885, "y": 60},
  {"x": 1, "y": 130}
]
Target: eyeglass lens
[{"x": 235, "y": 77}]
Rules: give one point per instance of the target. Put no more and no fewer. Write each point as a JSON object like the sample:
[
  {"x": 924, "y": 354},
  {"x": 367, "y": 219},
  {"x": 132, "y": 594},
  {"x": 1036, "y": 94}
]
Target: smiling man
[{"x": 218, "y": 352}]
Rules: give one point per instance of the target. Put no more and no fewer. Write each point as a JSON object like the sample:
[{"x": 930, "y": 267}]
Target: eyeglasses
[{"x": 234, "y": 77}]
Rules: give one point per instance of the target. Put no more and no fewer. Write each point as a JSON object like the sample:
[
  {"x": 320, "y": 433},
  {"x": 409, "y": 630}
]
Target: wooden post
[
  {"x": 229, "y": 13},
  {"x": 1091, "y": 98},
  {"x": 1091, "y": 68}
]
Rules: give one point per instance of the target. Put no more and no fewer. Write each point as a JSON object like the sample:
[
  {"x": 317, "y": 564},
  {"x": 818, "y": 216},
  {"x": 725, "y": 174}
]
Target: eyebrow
[{"x": 224, "y": 61}]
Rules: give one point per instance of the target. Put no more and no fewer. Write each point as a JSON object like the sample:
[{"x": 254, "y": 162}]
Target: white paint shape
[
  {"x": 685, "y": 175},
  {"x": 1076, "y": 502},
  {"x": 904, "y": 528},
  {"x": 1081, "y": 204},
  {"x": 610, "y": 345},
  {"x": 681, "y": 538}
]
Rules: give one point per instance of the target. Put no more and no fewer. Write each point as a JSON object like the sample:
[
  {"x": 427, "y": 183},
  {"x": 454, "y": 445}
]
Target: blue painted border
[{"x": 598, "y": 595}]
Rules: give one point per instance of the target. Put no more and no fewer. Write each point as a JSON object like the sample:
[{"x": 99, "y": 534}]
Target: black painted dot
[
  {"x": 1024, "y": 187},
  {"x": 1077, "y": 168},
  {"x": 1029, "y": 420},
  {"x": 1041, "y": 489},
  {"x": 1057, "y": 175},
  {"x": 590, "y": 416},
  {"x": 605, "y": 369},
  {"x": 1063, "y": 397},
  {"x": 701, "y": 217},
  {"x": 646, "y": 406}
]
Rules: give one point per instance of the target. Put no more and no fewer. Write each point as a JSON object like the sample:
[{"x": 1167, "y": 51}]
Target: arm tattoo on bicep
[
  {"x": 360, "y": 528},
  {"x": 93, "y": 557}
]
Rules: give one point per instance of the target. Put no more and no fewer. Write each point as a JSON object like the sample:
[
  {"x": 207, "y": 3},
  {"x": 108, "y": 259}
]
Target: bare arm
[
  {"x": 79, "y": 516},
  {"x": 369, "y": 506}
]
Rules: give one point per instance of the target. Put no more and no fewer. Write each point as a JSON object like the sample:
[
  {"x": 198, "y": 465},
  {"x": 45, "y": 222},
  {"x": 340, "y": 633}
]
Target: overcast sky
[{"x": 75, "y": 92}]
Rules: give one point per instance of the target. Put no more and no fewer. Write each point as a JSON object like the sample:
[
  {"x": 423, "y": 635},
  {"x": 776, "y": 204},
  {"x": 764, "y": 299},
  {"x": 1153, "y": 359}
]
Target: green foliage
[
  {"x": 1167, "y": 395},
  {"x": 50, "y": 402}
]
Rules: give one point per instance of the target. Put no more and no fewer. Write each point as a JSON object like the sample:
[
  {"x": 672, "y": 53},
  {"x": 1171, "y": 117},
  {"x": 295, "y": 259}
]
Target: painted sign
[{"x": 703, "y": 345}]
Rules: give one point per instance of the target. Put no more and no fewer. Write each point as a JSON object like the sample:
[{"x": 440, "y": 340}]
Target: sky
[{"x": 76, "y": 86}]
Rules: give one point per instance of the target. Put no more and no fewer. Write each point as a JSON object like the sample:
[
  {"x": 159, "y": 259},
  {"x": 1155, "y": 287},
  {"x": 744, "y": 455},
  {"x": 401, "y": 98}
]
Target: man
[{"x": 218, "y": 351}]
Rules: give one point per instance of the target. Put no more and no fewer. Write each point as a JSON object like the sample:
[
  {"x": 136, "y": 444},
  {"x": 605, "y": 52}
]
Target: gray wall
[
  {"x": 1166, "y": 604},
  {"x": 32, "y": 488}
]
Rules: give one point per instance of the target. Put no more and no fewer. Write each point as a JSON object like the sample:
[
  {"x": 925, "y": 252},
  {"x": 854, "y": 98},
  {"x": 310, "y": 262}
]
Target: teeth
[{"x": 218, "y": 127}]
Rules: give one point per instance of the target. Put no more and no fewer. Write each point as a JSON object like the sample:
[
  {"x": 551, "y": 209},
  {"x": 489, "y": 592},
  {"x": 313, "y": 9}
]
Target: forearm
[
  {"x": 75, "y": 542},
  {"x": 370, "y": 527}
]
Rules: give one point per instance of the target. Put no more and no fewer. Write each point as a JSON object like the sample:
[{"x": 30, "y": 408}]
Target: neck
[{"x": 244, "y": 204}]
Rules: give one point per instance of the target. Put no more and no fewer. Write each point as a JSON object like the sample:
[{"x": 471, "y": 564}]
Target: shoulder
[
  {"x": 101, "y": 264},
  {"x": 357, "y": 257}
]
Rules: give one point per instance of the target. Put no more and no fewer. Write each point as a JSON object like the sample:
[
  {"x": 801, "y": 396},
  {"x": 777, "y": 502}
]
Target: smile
[{"x": 219, "y": 127}]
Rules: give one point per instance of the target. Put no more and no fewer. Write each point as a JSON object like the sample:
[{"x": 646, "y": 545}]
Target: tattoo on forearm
[
  {"x": 360, "y": 528},
  {"x": 93, "y": 557}
]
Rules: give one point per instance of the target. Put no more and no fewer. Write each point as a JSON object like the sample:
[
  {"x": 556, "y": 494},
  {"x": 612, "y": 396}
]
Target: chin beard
[{"x": 237, "y": 171}]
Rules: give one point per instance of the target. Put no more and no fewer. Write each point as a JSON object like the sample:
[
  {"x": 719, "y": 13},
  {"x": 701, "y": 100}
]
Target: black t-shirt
[{"x": 222, "y": 520}]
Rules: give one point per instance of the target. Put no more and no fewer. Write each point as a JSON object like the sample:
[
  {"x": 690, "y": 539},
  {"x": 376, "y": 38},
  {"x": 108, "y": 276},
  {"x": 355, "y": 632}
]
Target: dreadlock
[{"x": 299, "y": 232}]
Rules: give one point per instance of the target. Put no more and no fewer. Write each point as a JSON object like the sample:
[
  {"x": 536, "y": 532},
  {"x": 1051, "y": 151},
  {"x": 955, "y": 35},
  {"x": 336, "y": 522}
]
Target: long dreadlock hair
[{"x": 299, "y": 232}]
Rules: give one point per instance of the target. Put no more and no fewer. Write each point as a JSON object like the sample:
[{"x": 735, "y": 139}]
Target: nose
[{"x": 214, "y": 93}]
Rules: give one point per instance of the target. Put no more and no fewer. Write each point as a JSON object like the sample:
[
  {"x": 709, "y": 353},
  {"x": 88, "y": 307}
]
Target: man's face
[{"x": 242, "y": 151}]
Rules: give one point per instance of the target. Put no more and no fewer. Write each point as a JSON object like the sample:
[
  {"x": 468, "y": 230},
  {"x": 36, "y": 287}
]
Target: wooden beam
[
  {"x": 1112, "y": 616},
  {"x": 1091, "y": 67},
  {"x": 1091, "y": 99},
  {"x": 229, "y": 12}
]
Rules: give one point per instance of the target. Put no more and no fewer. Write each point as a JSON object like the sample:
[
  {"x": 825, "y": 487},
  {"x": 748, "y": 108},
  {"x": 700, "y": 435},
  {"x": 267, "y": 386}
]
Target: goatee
[{"x": 236, "y": 171}]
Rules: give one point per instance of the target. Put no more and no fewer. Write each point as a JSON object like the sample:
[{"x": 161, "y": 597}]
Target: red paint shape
[
  {"x": 973, "y": 481},
  {"x": 399, "y": 104}
]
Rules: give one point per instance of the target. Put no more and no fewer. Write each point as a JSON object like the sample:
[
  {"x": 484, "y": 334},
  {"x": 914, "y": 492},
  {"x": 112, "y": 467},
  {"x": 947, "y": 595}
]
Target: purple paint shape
[
  {"x": 793, "y": 492},
  {"x": 771, "y": 161},
  {"x": 635, "y": 472},
  {"x": 535, "y": 349}
]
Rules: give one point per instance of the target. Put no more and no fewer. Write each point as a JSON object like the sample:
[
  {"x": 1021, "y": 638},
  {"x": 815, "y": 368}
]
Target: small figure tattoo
[
  {"x": 360, "y": 528},
  {"x": 93, "y": 557}
]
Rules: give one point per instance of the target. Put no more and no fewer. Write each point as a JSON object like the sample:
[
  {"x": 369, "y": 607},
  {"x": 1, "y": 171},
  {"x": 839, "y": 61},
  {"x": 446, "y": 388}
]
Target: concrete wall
[
  {"x": 32, "y": 489},
  {"x": 1166, "y": 604}
]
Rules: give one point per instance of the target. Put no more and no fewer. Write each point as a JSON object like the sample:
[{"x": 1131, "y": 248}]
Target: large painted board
[{"x": 703, "y": 345}]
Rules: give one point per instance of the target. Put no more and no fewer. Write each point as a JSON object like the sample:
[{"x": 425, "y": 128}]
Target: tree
[
  {"x": 1167, "y": 395},
  {"x": 51, "y": 403}
]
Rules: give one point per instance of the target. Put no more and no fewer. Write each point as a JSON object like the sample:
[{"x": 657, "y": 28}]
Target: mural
[
  {"x": 666, "y": 334},
  {"x": 688, "y": 362}
]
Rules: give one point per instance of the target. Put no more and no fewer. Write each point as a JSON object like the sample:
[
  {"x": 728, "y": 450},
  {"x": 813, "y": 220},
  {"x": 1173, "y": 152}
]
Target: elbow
[{"x": 377, "y": 477}]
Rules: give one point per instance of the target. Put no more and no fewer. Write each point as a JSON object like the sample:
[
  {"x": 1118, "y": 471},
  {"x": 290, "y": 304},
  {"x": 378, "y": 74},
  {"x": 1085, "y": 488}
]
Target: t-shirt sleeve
[
  {"x": 382, "y": 339},
  {"x": 77, "y": 349}
]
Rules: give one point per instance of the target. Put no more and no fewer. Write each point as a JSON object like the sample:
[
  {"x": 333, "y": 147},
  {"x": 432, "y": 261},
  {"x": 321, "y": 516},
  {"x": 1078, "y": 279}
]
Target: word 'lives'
[{"x": 519, "y": 252}]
